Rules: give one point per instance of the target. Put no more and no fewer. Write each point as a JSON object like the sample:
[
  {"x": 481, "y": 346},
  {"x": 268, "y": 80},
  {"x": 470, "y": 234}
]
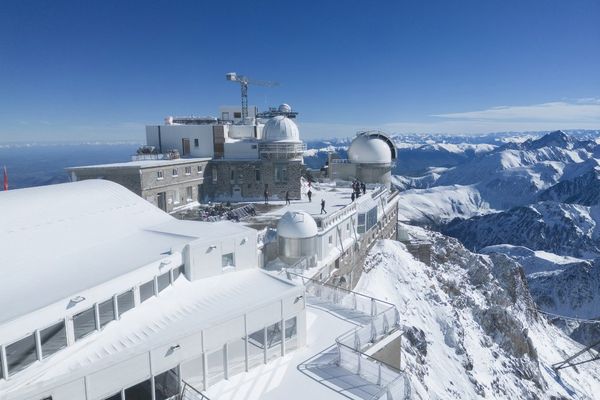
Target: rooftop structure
[
  {"x": 371, "y": 157},
  {"x": 112, "y": 297}
]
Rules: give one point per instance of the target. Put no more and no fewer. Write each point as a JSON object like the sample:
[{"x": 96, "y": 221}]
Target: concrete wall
[
  {"x": 203, "y": 258},
  {"x": 245, "y": 150},
  {"x": 168, "y": 137}
]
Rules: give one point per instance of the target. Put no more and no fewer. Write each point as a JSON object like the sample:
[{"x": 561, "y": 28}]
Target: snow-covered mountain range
[{"x": 535, "y": 201}]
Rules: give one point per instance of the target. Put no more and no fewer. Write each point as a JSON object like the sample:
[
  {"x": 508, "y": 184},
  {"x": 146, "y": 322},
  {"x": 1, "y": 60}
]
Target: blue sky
[{"x": 100, "y": 70}]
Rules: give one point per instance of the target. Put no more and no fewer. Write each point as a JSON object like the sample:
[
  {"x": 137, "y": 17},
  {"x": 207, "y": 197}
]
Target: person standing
[
  {"x": 323, "y": 206},
  {"x": 363, "y": 187},
  {"x": 309, "y": 194},
  {"x": 352, "y": 196},
  {"x": 266, "y": 196},
  {"x": 287, "y": 197}
]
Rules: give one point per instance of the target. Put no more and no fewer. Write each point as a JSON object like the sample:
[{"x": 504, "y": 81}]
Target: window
[
  {"x": 274, "y": 335},
  {"x": 237, "y": 114},
  {"x": 53, "y": 339},
  {"x": 21, "y": 354},
  {"x": 196, "y": 143},
  {"x": 330, "y": 239},
  {"x": 348, "y": 226},
  {"x": 225, "y": 116},
  {"x": 281, "y": 173},
  {"x": 159, "y": 175},
  {"x": 188, "y": 170},
  {"x": 254, "y": 147},
  {"x": 199, "y": 169},
  {"x": 125, "y": 302},
  {"x": 84, "y": 323},
  {"x": 256, "y": 353},
  {"x": 189, "y": 193},
  {"x": 291, "y": 334},
  {"x": 361, "y": 223},
  {"x": 175, "y": 172},
  {"x": 177, "y": 272},
  {"x": 163, "y": 281},
  {"x": 141, "y": 391},
  {"x": 232, "y": 178},
  {"x": 227, "y": 260},
  {"x": 214, "y": 175},
  {"x": 166, "y": 385},
  {"x": 146, "y": 290},
  {"x": 106, "y": 312},
  {"x": 257, "y": 175}
]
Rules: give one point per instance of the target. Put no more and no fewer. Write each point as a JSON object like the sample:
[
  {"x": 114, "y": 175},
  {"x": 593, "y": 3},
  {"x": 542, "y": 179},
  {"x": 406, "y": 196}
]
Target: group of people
[
  {"x": 358, "y": 188},
  {"x": 308, "y": 194}
]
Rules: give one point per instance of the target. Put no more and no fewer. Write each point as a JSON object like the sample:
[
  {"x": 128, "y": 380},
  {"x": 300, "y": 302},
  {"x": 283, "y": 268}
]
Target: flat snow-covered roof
[
  {"x": 62, "y": 239},
  {"x": 141, "y": 164}
]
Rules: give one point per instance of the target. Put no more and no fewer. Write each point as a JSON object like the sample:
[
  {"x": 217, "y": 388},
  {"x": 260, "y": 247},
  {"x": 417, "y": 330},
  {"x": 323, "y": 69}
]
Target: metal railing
[
  {"x": 188, "y": 392},
  {"x": 383, "y": 319}
]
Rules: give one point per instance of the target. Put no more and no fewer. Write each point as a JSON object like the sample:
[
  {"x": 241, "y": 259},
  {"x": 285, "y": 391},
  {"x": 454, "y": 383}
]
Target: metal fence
[{"x": 380, "y": 319}]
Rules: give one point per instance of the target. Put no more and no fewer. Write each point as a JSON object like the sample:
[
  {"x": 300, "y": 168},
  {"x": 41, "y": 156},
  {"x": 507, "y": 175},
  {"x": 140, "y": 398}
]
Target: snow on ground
[{"x": 471, "y": 328}]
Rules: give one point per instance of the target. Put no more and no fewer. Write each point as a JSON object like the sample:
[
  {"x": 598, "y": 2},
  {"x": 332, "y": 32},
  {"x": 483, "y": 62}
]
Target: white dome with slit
[
  {"x": 281, "y": 129},
  {"x": 285, "y": 108},
  {"x": 297, "y": 225},
  {"x": 369, "y": 150}
]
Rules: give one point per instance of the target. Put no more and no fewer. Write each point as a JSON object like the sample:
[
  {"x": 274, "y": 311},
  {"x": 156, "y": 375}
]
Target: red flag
[{"x": 5, "y": 179}]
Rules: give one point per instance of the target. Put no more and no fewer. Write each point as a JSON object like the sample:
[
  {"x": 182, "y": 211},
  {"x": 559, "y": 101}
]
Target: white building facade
[{"x": 119, "y": 300}]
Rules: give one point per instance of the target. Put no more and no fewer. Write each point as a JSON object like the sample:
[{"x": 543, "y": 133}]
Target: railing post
[
  {"x": 354, "y": 301},
  {"x": 373, "y": 331},
  {"x": 379, "y": 374},
  {"x": 373, "y": 307}
]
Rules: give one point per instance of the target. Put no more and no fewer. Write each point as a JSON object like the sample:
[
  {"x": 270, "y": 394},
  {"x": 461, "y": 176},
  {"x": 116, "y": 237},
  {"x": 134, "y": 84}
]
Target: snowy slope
[
  {"x": 441, "y": 204},
  {"x": 471, "y": 329}
]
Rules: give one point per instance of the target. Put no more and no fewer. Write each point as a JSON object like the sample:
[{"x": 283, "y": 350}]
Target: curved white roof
[
  {"x": 369, "y": 150},
  {"x": 297, "y": 225},
  {"x": 281, "y": 129}
]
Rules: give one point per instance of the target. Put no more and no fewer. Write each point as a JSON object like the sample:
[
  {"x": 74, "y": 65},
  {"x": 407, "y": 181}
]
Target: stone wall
[
  {"x": 237, "y": 180},
  {"x": 126, "y": 176}
]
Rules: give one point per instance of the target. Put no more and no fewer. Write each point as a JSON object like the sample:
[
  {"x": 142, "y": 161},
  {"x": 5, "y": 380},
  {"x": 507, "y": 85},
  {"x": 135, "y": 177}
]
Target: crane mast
[{"x": 244, "y": 81}]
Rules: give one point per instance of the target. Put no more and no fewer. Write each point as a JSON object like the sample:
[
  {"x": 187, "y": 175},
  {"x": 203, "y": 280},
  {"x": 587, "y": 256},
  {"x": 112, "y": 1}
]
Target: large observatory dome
[
  {"x": 281, "y": 129},
  {"x": 297, "y": 225},
  {"x": 370, "y": 149}
]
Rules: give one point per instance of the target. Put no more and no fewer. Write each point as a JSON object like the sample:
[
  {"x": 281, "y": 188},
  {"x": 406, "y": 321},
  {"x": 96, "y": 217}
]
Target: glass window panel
[
  {"x": 164, "y": 281},
  {"x": 227, "y": 260},
  {"x": 255, "y": 348},
  {"x": 116, "y": 396},
  {"x": 125, "y": 302},
  {"x": 274, "y": 341},
  {"x": 21, "y": 354},
  {"x": 84, "y": 323},
  {"x": 146, "y": 290},
  {"x": 53, "y": 339},
  {"x": 177, "y": 273},
  {"x": 215, "y": 368},
  {"x": 290, "y": 328},
  {"x": 106, "y": 311},
  {"x": 236, "y": 357},
  {"x": 166, "y": 385},
  {"x": 141, "y": 391}
]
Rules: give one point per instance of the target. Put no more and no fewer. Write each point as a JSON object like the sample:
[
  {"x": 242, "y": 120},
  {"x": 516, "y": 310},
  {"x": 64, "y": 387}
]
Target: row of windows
[
  {"x": 367, "y": 220},
  {"x": 45, "y": 342},
  {"x": 175, "y": 172},
  {"x": 259, "y": 347}
]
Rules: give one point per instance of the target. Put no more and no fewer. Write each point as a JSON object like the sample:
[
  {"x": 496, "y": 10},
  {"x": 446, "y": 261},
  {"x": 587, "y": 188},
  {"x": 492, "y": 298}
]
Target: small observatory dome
[
  {"x": 285, "y": 108},
  {"x": 367, "y": 149},
  {"x": 281, "y": 129},
  {"x": 297, "y": 236},
  {"x": 297, "y": 225}
]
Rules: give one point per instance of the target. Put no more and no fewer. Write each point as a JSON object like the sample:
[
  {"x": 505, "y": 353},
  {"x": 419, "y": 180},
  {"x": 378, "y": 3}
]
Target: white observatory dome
[
  {"x": 281, "y": 129},
  {"x": 285, "y": 108},
  {"x": 367, "y": 149},
  {"x": 297, "y": 225}
]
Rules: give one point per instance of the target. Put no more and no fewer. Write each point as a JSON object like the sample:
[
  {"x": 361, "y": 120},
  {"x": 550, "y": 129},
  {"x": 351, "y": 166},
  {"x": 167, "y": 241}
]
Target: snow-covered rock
[{"x": 471, "y": 327}]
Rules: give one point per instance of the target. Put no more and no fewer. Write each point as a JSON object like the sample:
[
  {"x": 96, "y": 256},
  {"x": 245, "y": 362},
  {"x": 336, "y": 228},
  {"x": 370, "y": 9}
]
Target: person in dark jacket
[
  {"x": 309, "y": 194},
  {"x": 323, "y": 206},
  {"x": 287, "y": 197}
]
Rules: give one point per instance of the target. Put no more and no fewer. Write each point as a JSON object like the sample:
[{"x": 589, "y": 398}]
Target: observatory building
[
  {"x": 371, "y": 157},
  {"x": 231, "y": 158}
]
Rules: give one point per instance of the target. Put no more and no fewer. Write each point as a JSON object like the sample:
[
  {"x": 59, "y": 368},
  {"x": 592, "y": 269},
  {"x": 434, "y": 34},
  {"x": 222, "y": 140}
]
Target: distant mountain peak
[{"x": 552, "y": 139}]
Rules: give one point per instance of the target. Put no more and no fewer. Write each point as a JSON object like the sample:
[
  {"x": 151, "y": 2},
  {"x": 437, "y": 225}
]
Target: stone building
[{"x": 167, "y": 184}]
